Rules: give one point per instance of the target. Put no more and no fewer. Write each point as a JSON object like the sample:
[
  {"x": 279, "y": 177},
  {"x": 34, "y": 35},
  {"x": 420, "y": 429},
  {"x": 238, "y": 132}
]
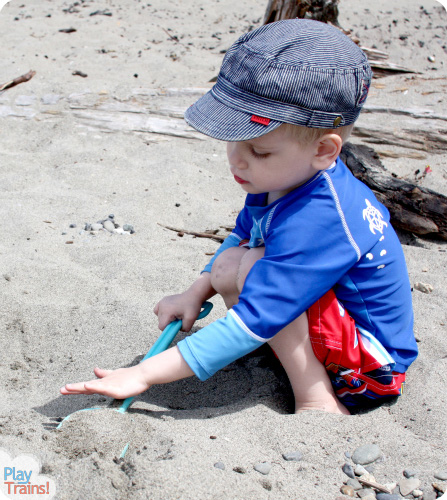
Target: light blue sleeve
[
  {"x": 232, "y": 240},
  {"x": 217, "y": 345}
]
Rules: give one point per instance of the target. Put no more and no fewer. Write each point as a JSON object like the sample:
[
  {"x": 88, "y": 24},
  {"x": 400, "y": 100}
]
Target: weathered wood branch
[
  {"x": 212, "y": 236},
  {"x": 20, "y": 79},
  {"x": 412, "y": 208}
]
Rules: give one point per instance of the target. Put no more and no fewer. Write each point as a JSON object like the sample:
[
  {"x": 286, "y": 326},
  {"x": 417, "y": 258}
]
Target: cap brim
[{"x": 212, "y": 117}]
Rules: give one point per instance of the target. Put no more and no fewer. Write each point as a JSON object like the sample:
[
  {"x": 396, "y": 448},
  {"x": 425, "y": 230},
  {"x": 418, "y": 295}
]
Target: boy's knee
[
  {"x": 247, "y": 262},
  {"x": 225, "y": 270}
]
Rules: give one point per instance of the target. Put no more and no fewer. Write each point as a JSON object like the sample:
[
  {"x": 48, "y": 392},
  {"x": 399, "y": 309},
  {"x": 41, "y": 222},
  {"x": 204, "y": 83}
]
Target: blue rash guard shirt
[{"x": 331, "y": 232}]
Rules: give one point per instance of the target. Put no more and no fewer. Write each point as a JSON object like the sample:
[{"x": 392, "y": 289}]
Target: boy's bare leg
[{"x": 310, "y": 382}]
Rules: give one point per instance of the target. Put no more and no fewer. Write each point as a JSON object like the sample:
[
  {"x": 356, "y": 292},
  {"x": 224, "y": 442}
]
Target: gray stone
[
  {"x": 73, "y": 225},
  {"x": 109, "y": 225},
  {"x": 360, "y": 470},
  {"x": 97, "y": 226},
  {"x": 366, "y": 454},
  {"x": 388, "y": 496},
  {"x": 293, "y": 456},
  {"x": 442, "y": 475},
  {"x": 409, "y": 473},
  {"x": 354, "y": 483},
  {"x": 219, "y": 465},
  {"x": 128, "y": 227},
  {"x": 406, "y": 486},
  {"x": 263, "y": 468},
  {"x": 111, "y": 216},
  {"x": 348, "y": 470},
  {"x": 430, "y": 495}
]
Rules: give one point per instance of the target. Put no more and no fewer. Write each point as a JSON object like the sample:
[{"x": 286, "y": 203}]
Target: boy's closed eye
[{"x": 257, "y": 154}]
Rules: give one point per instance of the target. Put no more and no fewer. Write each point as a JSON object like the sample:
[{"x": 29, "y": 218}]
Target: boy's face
[{"x": 274, "y": 163}]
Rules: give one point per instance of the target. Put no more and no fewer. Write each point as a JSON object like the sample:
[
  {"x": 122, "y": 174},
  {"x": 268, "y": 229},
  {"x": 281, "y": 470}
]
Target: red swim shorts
[{"x": 358, "y": 365}]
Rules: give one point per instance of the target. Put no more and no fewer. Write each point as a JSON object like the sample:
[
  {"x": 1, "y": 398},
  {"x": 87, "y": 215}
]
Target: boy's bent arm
[{"x": 165, "y": 367}]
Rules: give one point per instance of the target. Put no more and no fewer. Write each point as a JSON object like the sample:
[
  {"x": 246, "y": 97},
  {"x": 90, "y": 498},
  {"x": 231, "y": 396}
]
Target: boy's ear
[{"x": 328, "y": 149}]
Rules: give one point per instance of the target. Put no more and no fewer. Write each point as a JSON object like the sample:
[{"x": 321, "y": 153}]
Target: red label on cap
[{"x": 260, "y": 119}]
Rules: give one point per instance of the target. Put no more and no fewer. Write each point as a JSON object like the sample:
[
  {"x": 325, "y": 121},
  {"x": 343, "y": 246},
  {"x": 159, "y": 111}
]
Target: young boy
[{"x": 313, "y": 266}]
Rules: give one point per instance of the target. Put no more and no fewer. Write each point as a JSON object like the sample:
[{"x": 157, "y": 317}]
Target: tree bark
[
  {"x": 412, "y": 208},
  {"x": 319, "y": 10}
]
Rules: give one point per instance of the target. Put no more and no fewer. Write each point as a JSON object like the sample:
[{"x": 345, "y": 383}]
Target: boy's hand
[
  {"x": 182, "y": 306},
  {"x": 118, "y": 384}
]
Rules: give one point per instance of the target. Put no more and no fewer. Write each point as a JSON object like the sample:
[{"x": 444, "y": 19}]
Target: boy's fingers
[
  {"x": 100, "y": 373},
  {"x": 78, "y": 388}
]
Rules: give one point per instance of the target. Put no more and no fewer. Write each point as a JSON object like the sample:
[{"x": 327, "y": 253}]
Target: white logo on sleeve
[{"x": 375, "y": 218}]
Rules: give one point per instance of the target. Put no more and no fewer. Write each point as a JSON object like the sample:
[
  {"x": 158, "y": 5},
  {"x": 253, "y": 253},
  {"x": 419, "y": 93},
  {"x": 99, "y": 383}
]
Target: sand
[{"x": 75, "y": 149}]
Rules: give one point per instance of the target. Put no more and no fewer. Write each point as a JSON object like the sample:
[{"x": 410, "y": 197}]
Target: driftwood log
[{"x": 412, "y": 208}]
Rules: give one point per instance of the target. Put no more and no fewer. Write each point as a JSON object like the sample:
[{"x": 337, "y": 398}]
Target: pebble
[
  {"x": 347, "y": 490},
  {"x": 96, "y": 226},
  {"x": 406, "y": 486},
  {"x": 417, "y": 493},
  {"x": 366, "y": 454},
  {"x": 368, "y": 477},
  {"x": 442, "y": 487},
  {"x": 348, "y": 470},
  {"x": 109, "y": 225},
  {"x": 360, "y": 470},
  {"x": 388, "y": 496},
  {"x": 128, "y": 227},
  {"x": 219, "y": 465},
  {"x": 73, "y": 225},
  {"x": 442, "y": 475},
  {"x": 409, "y": 473},
  {"x": 354, "y": 483},
  {"x": 432, "y": 59},
  {"x": 263, "y": 468},
  {"x": 294, "y": 456},
  {"x": 423, "y": 287}
]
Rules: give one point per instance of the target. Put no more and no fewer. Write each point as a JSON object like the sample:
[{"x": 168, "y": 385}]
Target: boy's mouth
[{"x": 239, "y": 180}]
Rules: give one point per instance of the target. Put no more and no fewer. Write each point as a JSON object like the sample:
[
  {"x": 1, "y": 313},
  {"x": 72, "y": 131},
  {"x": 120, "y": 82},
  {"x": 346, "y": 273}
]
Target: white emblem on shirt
[{"x": 375, "y": 218}]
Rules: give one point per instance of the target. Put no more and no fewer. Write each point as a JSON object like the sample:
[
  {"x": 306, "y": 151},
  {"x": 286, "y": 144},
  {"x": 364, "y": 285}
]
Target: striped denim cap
[{"x": 296, "y": 71}]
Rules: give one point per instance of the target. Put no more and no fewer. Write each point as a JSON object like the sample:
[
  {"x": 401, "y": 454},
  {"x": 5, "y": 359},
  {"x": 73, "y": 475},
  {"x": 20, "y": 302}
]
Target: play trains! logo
[{"x": 20, "y": 478}]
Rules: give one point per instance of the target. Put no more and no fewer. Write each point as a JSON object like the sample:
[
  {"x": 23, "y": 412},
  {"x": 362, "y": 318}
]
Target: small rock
[
  {"x": 442, "y": 487},
  {"x": 87, "y": 227},
  {"x": 109, "y": 226},
  {"x": 348, "y": 470},
  {"x": 366, "y": 454},
  {"x": 417, "y": 493},
  {"x": 263, "y": 468},
  {"x": 73, "y": 225},
  {"x": 368, "y": 477},
  {"x": 409, "y": 473},
  {"x": 406, "y": 486},
  {"x": 390, "y": 486},
  {"x": 293, "y": 456},
  {"x": 423, "y": 287},
  {"x": 128, "y": 227},
  {"x": 366, "y": 493},
  {"x": 360, "y": 470},
  {"x": 97, "y": 226},
  {"x": 442, "y": 475},
  {"x": 111, "y": 216},
  {"x": 8, "y": 278},
  {"x": 240, "y": 470},
  {"x": 347, "y": 490},
  {"x": 432, "y": 59},
  {"x": 354, "y": 483},
  {"x": 348, "y": 455},
  {"x": 219, "y": 465},
  {"x": 388, "y": 496}
]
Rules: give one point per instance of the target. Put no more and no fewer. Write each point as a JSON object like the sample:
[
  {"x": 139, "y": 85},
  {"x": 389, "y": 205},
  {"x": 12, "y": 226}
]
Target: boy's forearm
[
  {"x": 166, "y": 367},
  {"x": 202, "y": 287}
]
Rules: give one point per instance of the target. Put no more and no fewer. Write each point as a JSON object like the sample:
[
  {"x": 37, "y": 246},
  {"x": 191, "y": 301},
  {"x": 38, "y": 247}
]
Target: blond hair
[{"x": 306, "y": 135}]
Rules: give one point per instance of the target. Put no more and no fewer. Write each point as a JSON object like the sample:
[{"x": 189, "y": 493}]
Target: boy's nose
[{"x": 235, "y": 158}]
